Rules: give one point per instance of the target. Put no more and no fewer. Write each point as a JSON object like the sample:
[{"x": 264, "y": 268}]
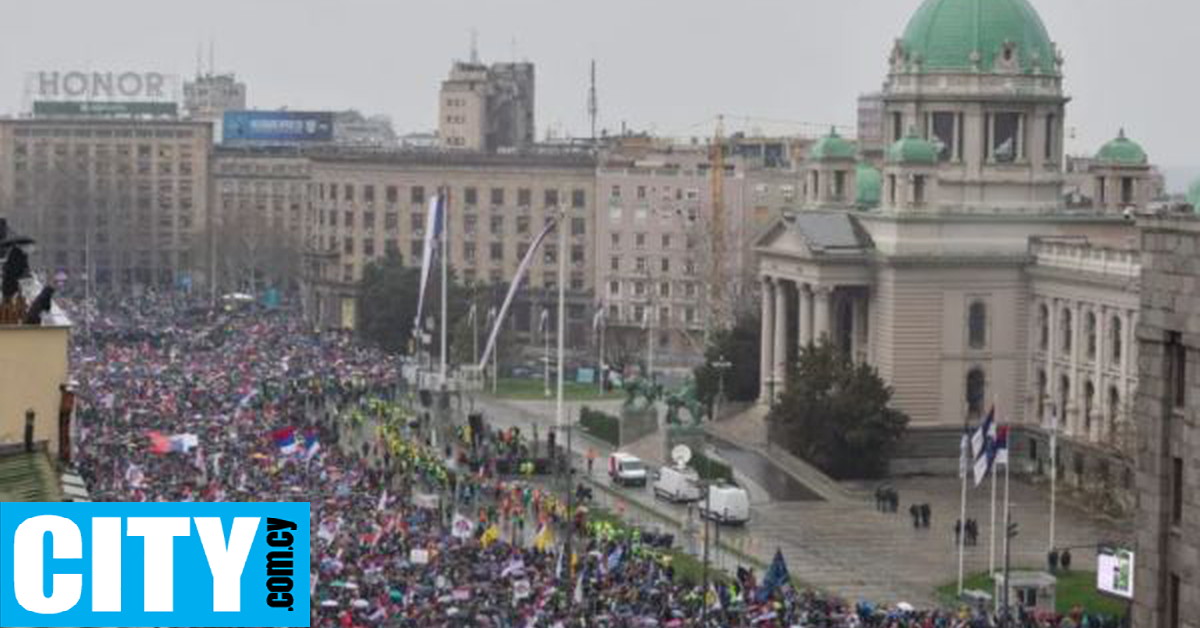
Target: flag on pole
[
  {"x": 982, "y": 445},
  {"x": 979, "y": 439},
  {"x": 598, "y": 318},
  {"x": 543, "y": 539},
  {"x": 964, "y": 458},
  {"x": 545, "y": 320},
  {"x": 777, "y": 576},
  {"x": 471, "y": 314},
  {"x": 433, "y": 231},
  {"x": 1000, "y": 446},
  {"x": 490, "y": 535},
  {"x": 517, "y": 279}
]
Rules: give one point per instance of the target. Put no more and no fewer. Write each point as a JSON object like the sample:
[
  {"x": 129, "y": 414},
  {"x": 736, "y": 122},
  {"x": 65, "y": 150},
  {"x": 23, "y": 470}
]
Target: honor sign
[{"x": 102, "y": 86}]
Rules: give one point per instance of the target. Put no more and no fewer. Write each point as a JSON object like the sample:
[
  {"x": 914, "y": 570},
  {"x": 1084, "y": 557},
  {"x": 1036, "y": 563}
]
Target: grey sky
[{"x": 664, "y": 65}]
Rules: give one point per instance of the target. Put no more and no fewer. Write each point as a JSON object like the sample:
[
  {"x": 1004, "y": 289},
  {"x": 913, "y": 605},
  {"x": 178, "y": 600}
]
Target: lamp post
[{"x": 721, "y": 365}]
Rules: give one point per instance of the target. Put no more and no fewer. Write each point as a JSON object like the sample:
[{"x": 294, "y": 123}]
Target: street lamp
[{"x": 721, "y": 365}]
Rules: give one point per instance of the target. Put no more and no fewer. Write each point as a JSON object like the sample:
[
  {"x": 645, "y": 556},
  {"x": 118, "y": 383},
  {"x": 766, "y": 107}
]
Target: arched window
[
  {"x": 1090, "y": 329},
  {"x": 1114, "y": 406},
  {"x": 1043, "y": 326},
  {"x": 1116, "y": 340},
  {"x": 977, "y": 325},
  {"x": 1064, "y": 393},
  {"x": 976, "y": 390},
  {"x": 1089, "y": 397},
  {"x": 1041, "y": 396},
  {"x": 1065, "y": 329}
]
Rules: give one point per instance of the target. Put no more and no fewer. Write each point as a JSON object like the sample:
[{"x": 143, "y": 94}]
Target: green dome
[
  {"x": 833, "y": 146},
  {"x": 869, "y": 182},
  {"x": 1193, "y": 195},
  {"x": 1122, "y": 152},
  {"x": 960, "y": 35},
  {"x": 913, "y": 149}
]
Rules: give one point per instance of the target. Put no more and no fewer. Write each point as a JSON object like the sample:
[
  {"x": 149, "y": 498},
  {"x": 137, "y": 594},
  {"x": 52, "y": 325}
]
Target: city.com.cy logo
[{"x": 154, "y": 564}]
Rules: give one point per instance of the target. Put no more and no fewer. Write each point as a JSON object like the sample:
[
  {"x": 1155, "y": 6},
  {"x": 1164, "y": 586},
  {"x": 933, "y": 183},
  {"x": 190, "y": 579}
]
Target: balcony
[{"x": 1081, "y": 256}]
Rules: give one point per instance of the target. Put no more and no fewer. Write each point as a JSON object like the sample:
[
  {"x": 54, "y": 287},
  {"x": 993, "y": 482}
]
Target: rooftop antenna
[
  {"x": 593, "y": 105},
  {"x": 474, "y": 47},
  {"x": 212, "y": 56},
  {"x": 199, "y": 59}
]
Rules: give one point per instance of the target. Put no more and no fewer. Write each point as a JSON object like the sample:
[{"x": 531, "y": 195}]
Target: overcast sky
[{"x": 667, "y": 66}]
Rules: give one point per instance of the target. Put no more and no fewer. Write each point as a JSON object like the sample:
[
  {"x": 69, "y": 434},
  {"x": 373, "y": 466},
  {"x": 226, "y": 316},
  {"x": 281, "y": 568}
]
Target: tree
[
  {"x": 741, "y": 347},
  {"x": 835, "y": 414},
  {"x": 387, "y": 304},
  {"x": 462, "y": 334}
]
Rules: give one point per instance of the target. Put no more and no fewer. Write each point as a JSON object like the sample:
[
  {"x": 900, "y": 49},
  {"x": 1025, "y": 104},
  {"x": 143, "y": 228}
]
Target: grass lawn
[
  {"x": 1076, "y": 588},
  {"x": 534, "y": 389}
]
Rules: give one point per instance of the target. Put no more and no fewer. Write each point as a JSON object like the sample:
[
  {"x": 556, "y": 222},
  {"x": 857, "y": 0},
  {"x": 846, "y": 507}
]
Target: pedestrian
[
  {"x": 915, "y": 512},
  {"x": 1065, "y": 559},
  {"x": 926, "y": 513}
]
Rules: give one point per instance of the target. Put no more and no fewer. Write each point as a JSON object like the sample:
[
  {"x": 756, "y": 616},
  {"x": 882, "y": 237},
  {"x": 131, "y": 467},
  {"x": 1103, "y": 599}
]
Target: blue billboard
[{"x": 278, "y": 126}]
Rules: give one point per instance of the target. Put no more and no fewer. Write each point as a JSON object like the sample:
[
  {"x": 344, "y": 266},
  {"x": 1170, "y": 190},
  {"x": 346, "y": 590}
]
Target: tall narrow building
[{"x": 487, "y": 109}]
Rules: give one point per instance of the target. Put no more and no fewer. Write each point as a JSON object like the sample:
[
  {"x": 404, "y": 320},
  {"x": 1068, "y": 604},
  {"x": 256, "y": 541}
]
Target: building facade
[
  {"x": 482, "y": 108},
  {"x": 974, "y": 283},
  {"x": 368, "y": 204},
  {"x": 207, "y": 97},
  {"x": 117, "y": 203},
  {"x": 1167, "y": 580}
]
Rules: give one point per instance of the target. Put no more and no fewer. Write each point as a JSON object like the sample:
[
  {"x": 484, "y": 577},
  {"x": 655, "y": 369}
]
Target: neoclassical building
[{"x": 970, "y": 283}]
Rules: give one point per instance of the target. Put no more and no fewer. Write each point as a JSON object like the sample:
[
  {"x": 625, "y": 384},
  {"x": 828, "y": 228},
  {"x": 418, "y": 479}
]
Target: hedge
[
  {"x": 603, "y": 426},
  {"x": 710, "y": 469}
]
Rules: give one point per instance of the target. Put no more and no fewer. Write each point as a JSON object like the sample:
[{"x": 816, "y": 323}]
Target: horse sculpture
[
  {"x": 685, "y": 398},
  {"x": 636, "y": 389}
]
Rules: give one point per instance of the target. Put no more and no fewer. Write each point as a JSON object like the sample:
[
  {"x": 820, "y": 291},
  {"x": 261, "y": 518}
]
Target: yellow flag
[
  {"x": 544, "y": 538},
  {"x": 490, "y": 535}
]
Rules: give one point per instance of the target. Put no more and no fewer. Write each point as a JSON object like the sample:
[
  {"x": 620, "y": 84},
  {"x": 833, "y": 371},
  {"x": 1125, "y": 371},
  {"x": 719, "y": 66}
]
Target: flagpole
[
  {"x": 962, "y": 516},
  {"x": 445, "y": 217},
  {"x": 992, "y": 542},
  {"x": 600, "y": 355},
  {"x": 1053, "y": 469},
  {"x": 546, "y": 351},
  {"x": 474, "y": 332}
]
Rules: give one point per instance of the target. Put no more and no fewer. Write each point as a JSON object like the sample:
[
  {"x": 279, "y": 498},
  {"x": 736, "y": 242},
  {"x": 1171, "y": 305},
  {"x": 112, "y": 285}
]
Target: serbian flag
[
  {"x": 312, "y": 445},
  {"x": 159, "y": 444},
  {"x": 1000, "y": 446},
  {"x": 285, "y": 439}
]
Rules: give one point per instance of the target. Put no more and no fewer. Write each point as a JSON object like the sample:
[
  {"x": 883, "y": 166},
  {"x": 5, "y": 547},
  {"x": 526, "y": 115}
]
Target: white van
[
  {"x": 677, "y": 484},
  {"x": 626, "y": 470},
  {"x": 726, "y": 504}
]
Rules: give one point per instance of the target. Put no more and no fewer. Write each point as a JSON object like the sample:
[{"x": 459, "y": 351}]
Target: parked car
[{"x": 626, "y": 470}]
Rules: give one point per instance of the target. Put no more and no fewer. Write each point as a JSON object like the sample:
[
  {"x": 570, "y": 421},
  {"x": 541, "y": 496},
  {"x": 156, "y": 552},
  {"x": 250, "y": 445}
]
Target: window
[
  {"x": 391, "y": 248},
  {"x": 1173, "y": 599},
  {"x": 369, "y": 220},
  {"x": 1089, "y": 327},
  {"x": 470, "y": 196},
  {"x": 918, "y": 191},
  {"x": 639, "y": 289},
  {"x": 469, "y": 223},
  {"x": 664, "y": 289},
  {"x": 1065, "y": 329},
  {"x": 549, "y": 254},
  {"x": 497, "y": 251},
  {"x": 640, "y": 264},
  {"x": 369, "y": 193},
  {"x": 1177, "y": 491},
  {"x": 417, "y": 222},
  {"x": 368, "y": 247},
  {"x": 1043, "y": 326},
  {"x": 666, "y": 264},
  {"x": 1126, "y": 190},
  {"x": 897, "y": 126},
  {"x": 348, "y": 219},
  {"x": 391, "y": 221},
  {"x": 522, "y": 224},
  {"x": 615, "y": 192},
  {"x": 1116, "y": 340},
  {"x": 977, "y": 325},
  {"x": 1176, "y": 370},
  {"x": 392, "y": 194},
  {"x": 496, "y": 225},
  {"x": 689, "y": 289},
  {"x": 578, "y": 198},
  {"x": 348, "y": 190},
  {"x": 641, "y": 192},
  {"x": 942, "y": 133},
  {"x": 417, "y": 194},
  {"x": 1006, "y": 141},
  {"x": 550, "y": 198},
  {"x": 976, "y": 385},
  {"x": 839, "y": 184},
  {"x": 578, "y": 226},
  {"x": 1101, "y": 190},
  {"x": 640, "y": 240},
  {"x": 1050, "y": 136},
  {"x": 348, "y": 246},
  {"x": 892, "y": 190},
  {"x": 497, "y": 196},
  {"x": 577, "y": 254},
  {"x": 614, "y": 288},
  {"x": 666, "y": 240},
  {"x": 614, "y": 263},
  {"x": 524, "y": 197}
]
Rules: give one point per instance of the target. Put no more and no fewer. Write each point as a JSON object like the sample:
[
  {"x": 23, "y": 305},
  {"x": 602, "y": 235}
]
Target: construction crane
[{"x": 717, "y": 226}]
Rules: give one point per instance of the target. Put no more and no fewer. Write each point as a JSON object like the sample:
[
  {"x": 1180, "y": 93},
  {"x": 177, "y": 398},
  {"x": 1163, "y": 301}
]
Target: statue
[
  {"x": 648, "y": 392},
  {"x": 685, "y": 398}
]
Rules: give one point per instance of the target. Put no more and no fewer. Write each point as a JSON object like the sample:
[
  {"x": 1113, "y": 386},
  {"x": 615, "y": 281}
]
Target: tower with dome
[{"x": 956, "y": 268}]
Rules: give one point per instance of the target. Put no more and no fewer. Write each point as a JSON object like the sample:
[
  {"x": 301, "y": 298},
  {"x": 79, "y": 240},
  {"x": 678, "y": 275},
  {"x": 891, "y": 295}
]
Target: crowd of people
[{"x": 409, "y": 528}]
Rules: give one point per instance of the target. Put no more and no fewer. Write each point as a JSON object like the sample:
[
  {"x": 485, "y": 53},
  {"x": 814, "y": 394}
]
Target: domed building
[{"x": 971, "y": 284}]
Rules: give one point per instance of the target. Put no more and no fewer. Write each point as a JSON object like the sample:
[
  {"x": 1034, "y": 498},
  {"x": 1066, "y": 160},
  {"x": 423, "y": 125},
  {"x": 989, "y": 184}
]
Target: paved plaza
[{"x": 842, "y": 544}]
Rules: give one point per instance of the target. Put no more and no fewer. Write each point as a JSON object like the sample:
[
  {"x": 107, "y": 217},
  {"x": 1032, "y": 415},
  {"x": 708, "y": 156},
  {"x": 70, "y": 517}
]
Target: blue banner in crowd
[{"x": 154, "y": 564}]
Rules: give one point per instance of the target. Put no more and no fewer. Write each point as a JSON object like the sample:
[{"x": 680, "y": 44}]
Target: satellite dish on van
[{"x": 681, "y": 454}]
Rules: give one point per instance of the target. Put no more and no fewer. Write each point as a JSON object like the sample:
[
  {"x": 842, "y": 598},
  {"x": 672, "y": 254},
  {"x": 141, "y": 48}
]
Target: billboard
[
  {"x": 278, "y": 126},
  {"x": 110, "y": 108},
  {"x": 1114, "y": 572}
]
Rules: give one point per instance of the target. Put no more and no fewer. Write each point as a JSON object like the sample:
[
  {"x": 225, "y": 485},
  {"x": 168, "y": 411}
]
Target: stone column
[
  {"x": 1129, "y": 321},
  {"x": 1051, "y": 347},
  {"x": 780, "y": 352},
  {"x": 766, "y": 369},
  {"x": 1077, "y": 391},
  {"x": 804, "y": 302},
  {"x": 1100, "y": 406},
  {"x": 821, "y": 313},
  {"x": 858, "y": 310}
]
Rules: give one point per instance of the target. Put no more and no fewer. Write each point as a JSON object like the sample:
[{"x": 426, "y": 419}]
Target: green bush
[
  {"x": 710, "y": 469},
  {"x": 603, "y": 426}
]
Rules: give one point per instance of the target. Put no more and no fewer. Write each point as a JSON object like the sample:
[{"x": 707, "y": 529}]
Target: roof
[
  {"x": 962, "y": 35},
  {"x": 28, "y": 477},
  {"x": 869, "y": 184},
  {"x": 913, "y": 149},
  {"x": 822, "y": 233},
  {"x": 1122, "y": 151},
  {"x": 833, "y": 146}
]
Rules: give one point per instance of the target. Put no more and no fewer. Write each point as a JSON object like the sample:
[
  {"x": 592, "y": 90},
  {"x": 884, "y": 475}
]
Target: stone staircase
[{"x": 927, "y": 451}]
